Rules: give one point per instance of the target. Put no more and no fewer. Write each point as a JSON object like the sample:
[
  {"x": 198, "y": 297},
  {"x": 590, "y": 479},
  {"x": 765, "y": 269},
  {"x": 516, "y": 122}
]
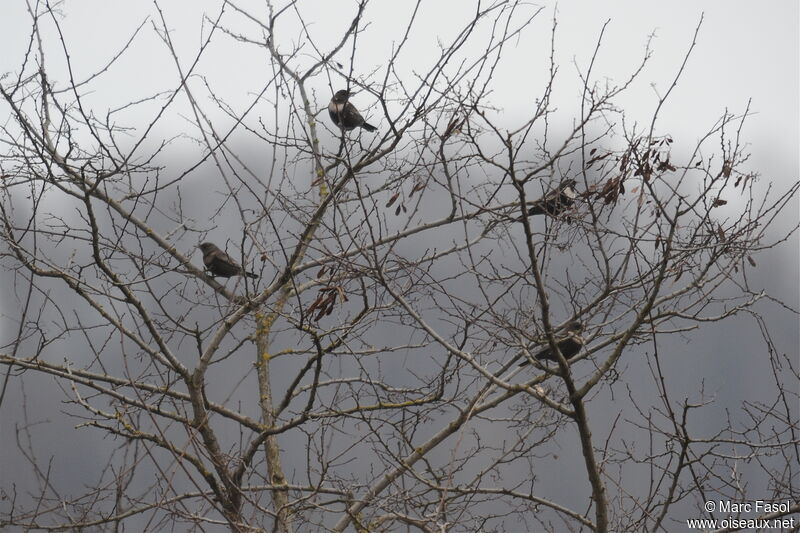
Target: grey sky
[{"x": 745, "y": 50}]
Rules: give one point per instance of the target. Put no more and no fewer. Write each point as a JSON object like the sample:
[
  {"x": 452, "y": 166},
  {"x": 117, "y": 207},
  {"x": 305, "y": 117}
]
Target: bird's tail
[
  {"x": 368, "y": 127},
  {"x": 535, "y": 210},
  {"x": 251, "y": 275}
]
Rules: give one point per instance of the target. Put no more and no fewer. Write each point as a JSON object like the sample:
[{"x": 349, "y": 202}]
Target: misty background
[{"x": 747, "y": 53}]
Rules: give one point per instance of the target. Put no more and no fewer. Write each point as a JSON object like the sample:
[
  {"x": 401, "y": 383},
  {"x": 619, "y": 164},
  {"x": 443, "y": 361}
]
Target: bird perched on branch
[
  {"x": 344, "y": 114},
  {"x": 569, "y": 345},
  {"x": 220, "y": 264},
  {"x": 556, "y": 201}
]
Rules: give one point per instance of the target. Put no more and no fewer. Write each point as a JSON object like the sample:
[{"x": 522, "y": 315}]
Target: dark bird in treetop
[
  {"x": 344, "y": 114},
  {"x": 218, "y": 263},
  {"x": 569, "y": 344},
  {"x": 556, "y": 201}
]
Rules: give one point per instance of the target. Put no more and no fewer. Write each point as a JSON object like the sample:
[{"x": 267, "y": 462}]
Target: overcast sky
[{"x": 746, "y": 51}]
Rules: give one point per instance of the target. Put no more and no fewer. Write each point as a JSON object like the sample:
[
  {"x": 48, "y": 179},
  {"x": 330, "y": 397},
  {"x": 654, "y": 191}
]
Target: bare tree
[{"x": 367, "y": 373}]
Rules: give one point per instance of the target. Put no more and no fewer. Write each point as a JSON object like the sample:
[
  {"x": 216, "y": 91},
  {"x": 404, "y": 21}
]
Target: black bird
[
  {"x": 556, "y": 201},
  {"x": 345, "y": 115},
  {"x": 569, "y": 345},
  {"x": 220, "y": 264}
]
